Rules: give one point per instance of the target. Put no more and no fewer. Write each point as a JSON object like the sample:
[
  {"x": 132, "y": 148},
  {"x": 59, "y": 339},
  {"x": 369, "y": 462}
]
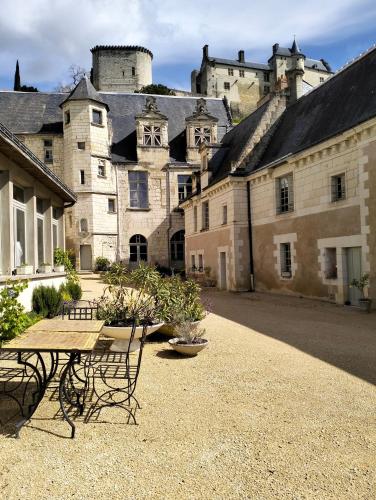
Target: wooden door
[{"x": 354, "y": 271}]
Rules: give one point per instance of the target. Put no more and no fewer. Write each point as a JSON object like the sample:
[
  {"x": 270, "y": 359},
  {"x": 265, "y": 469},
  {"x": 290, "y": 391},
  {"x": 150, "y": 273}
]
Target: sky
[{"x": 47, "y": 36}]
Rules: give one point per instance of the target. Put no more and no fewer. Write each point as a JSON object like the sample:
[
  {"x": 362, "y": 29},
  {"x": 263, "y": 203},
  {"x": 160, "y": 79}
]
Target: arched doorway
[
  {"x": 138, "y": 249},
  {"x": 177, "y": 243}
]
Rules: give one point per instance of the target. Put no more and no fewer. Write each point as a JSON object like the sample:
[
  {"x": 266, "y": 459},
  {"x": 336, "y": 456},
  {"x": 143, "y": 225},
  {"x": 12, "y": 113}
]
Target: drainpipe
[
  {"x": 168, "y": 213},
  {"x": 117, "y": 215},
  {"x": 250, "y": 238}
]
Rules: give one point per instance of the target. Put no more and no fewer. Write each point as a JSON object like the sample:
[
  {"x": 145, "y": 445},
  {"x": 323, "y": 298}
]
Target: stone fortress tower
[{"x": 121, "y": 68}]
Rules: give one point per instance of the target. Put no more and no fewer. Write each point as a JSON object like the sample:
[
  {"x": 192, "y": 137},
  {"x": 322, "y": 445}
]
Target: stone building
[
  {"x": 128, "y": 157},
  {"x": 286, "y": 201},
  {"x": 245, "y": 83},
  {"x": 32, "y": 203}
]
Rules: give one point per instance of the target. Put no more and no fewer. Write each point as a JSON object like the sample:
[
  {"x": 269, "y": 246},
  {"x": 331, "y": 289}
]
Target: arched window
[
  {"x": 83, "y": 225},
  {"x": 138, "y": 248},
  {"x": 177, "y": 246}
]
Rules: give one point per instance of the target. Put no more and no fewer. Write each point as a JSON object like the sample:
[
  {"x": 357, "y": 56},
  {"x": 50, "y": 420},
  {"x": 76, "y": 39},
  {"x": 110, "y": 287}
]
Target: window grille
[
  {"x": 152, "y": 135},
  {"x": 48, "y": 151},
  {"x": 338, "y": 187},
  {"x": 184, "y": 186},
  {"x": 205, "y": 215},
  {"x": 138, "y": 248},
  {"x": 285, "y": 194},
  {"x": 285, "y": 260},
  {"x": 202, "y": 134}
]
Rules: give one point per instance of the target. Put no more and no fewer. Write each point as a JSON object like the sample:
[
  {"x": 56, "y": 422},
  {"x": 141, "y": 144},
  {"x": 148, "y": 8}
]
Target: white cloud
[{"x": 49, "y": 35}]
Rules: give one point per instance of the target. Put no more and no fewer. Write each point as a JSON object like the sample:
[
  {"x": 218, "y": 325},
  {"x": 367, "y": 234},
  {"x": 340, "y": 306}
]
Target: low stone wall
[{"x": 54, "y": 279}]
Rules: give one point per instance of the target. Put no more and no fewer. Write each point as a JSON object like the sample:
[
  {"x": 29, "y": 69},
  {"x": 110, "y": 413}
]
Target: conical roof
[
  {"x": 84, "y": 90},
  {"x": 295, "y": 48}
]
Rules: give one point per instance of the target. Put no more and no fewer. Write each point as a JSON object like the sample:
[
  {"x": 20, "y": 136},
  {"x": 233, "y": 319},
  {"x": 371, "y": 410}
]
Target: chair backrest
[
  {"x": 138, "y": 356},
  {"x": 79, "y": 312}
]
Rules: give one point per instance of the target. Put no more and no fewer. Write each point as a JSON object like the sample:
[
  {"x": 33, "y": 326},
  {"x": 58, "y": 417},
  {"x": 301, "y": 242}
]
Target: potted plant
[
  {"x": 59, "y": 260},
  {"x": 24, "y": 269},
  {"x": 362, "y": 285},
  {"x": 45, "y": 268},
  {"x": 121, "y": 305},
  {"x": 189, "y": 339}
]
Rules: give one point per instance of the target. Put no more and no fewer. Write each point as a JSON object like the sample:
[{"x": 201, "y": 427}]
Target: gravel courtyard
[{"x": 281, "y": 405}]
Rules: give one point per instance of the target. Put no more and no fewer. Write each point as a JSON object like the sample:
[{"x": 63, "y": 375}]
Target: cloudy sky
[{"x": 47, "y": 36}]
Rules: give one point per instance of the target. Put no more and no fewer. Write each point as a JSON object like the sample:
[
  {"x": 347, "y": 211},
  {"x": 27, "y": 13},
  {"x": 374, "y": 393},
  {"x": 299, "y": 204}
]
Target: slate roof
[
  {"x": 84, "y": 90},
  {"x": 38, "y": 112},
  {"x": 234, "y": 62},
  {"x": 308, "y": 63},
  {"x": 340, "y": 103}
]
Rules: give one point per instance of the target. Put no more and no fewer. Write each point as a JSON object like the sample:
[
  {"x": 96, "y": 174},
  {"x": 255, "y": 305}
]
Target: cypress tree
[{"x": 17, "y": 78}]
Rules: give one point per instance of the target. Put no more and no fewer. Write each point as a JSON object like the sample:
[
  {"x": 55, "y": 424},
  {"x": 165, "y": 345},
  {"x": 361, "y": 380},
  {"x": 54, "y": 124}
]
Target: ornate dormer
[
  {"x": 151, "y": 127},
  {"x": 201, "y": 129}
]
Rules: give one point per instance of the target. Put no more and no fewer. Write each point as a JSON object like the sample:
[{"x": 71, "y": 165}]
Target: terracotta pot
[{"x": 187, "y": 349}]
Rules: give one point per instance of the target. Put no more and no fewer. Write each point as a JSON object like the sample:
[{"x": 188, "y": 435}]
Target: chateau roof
[
  {"x": 21, "y": 154},
  {"x": 340, "y": 103},
  {"x": 234, "y": 62},
  {"x": 84, "y": 90},
  {"x": 129, "y": 48},
  {"x": 38, "y": 112},
  {"x": 320, "y": 65}
]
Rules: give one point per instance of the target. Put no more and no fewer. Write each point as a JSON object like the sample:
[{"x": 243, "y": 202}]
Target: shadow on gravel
[{"x": 344, "y": 337}]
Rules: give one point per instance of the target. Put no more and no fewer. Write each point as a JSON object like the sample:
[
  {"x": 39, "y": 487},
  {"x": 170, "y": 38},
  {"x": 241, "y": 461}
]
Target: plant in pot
[
  {"x": 121, "y": 305},
  {"x": 59, "y": 260},
  {"x": 189, "y": 339},
  {"x": 25, "y": 269},
  {"x": 362, "y": 285},
  {"x": 45, "y": 268}
]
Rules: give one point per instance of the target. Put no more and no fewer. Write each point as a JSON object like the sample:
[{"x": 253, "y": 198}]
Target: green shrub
[
  {"x": 102, "y": 264},
  {"x": 66, "y": 258},
  {"x": 13, "y": 319},
  {"x": 47, "y": 301},
  {"x": 74, "y": 290}
]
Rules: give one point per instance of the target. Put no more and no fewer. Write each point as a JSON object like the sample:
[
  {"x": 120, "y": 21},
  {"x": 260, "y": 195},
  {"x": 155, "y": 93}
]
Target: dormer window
[
  {"x": 152, "y": 135},
  {"x": 202, "y": 134}
]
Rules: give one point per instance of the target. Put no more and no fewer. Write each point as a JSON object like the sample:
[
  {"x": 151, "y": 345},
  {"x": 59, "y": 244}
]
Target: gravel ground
[{"x": 281, "y": 405}]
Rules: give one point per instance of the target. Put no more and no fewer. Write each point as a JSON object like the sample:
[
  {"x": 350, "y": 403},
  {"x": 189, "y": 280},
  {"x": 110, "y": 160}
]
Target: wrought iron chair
[
  {"x": 119, "y": 372},
  {"x": 76, "y": 311}
]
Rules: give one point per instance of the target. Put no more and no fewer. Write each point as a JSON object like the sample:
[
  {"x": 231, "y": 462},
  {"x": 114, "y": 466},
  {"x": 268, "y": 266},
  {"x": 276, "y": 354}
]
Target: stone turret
[{"x": 296, "y": 73}]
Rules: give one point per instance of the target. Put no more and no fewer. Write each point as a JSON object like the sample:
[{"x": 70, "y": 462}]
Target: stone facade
[{"x": 245, "y": 84}]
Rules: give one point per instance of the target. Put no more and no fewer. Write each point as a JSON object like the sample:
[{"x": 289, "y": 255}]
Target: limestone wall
[{"x": 35, "y": 142}]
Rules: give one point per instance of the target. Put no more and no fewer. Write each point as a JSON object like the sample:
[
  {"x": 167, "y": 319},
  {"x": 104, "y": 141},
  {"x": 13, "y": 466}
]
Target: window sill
[
  {"x": 204, "y": 229},
  {"x": 145, "y": 146},
  {"x": 288, "y": 212},
  {"x": 338, "y": 201},
  {"x": 137, "y": 209},
  {"x": 102, "y": 176},
  {"x": 111, "y": 212},
  {"x": 100, "y": 125}
]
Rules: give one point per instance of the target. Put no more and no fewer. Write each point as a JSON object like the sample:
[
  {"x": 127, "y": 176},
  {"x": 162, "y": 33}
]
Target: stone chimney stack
[
  {"x": 241, "y": 56},
  {"x": 205, "y": 51}
]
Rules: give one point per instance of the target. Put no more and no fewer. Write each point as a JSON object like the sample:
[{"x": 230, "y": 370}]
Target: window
[
  {"x": 266, "y": 89},
  {"x": 111, "y": 205},
  {"x": 80, "y": 145},
  {"x": 286, "y": 260},
  {"x": 285, "y": 194},
  {"x": 230, "y": 72},
  {"x": 226, "y": 85},
  {"x": 330, "y": 263},
  {"x": 48, "y": 155},
  {"x": 266, "y": 77},
  {"x": 82, "y": 176},
  {"x": 338, "y": 187},
  {"x": 241, "y": 73},
  {"x": 101, "y": 168},
  {"x": 40, "y": 235},
  {"x": 193, "y": 263},
  {"x": 97, "y": 117},
  {"x": 202, "y": 134},
  {"x": 19, "y": 220},
  {"x": 40, "y": 206},
  {"x": 205, "y": 216},
  {"x": 177, "y": 246},
  {"x": 138, "y": 189},
  {"x": 83, "y": 225},
  {"x": 55, "y": 224},
  {"x": 70, "y": 221},
  {"x": 133, "y": 71},
  {"x": 184, "y": 186},
  {"x": 200, "y": 262},
  {"x": 321, "y": 79},
  {"x": 152, "y": 136},
  {"x": 138, "y": 248},
  {"x": 224, "y": 214},
  {"x": 54, "y": 236},
  {"x": 195, "y": 219},
  {"x": 67, "y": 117}
]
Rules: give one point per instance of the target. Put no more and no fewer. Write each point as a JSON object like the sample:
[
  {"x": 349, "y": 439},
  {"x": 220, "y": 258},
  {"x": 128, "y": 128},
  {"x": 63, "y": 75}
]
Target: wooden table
[{"x": 56, "y": 336}]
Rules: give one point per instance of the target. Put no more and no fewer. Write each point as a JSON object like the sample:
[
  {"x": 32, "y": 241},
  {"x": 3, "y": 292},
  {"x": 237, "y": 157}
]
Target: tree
[
  {"x": 155, "y": 88},
  {"x": 76, "y": 73},
  {"x": 17, "y": 78}
]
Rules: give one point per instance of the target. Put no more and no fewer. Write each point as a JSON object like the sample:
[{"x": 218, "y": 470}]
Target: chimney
[
  {"x": 275, "y": 48},
  {"x": 205, "y": 51},
  {"x": 241, "y": 56}
]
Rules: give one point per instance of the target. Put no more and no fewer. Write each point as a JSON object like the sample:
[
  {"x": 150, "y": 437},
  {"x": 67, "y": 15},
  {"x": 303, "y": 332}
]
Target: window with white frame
[
  {"x": 184, "y": 186},
  {"x": 338, "y": 187},
  {"x": 205, "y": 216},
  {"x": 195, "y": 219},
  {"x": 101, "y": 168},
  {"x": 230, "y": 72},
  {"x": 285, "y": 194},
  {"x": 285, "y": 249},
  {"x": 202, "y": 135},
  {"x": 48, "y": 151},
  {"x": 152, "y": 135},
  {"x": 138, "y": 189},
  {"x": 224, "y": 214},
  {"x": 19, "y": 222},
  {"x": 40, "y": 231},
  {"x": 330, "y": 256},
  {"x": 56, "y": 213},
  {"x": 138, "y": 248}
]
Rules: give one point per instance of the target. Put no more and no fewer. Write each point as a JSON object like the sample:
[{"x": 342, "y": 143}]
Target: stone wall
[{"x": 35, "y": 142}]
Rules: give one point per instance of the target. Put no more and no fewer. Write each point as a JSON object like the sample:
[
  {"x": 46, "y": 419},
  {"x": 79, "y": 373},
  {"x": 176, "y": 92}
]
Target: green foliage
[
  {"x": 47, "y": 301},
  {"x": 66, "y": 258},
  {"x": 13, "y": 319},
  {"x": 102, "y": 264},
  {"x": 361, "y": 284},
  {"x": 155, "y": 88},
  {"x": 74, "y": 290}
]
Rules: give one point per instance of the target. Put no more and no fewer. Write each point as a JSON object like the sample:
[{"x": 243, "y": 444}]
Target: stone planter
[
  {"x": 365, "y": 305},
  {"x": 169, "y": 329},
  {"x": 122, "y": 334},
  {"x": 45, "y": 269},
  {"x": 59, "y": 269},
  {"x": 188, "y": 349},
  {"x": 25, "y": 269}
]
